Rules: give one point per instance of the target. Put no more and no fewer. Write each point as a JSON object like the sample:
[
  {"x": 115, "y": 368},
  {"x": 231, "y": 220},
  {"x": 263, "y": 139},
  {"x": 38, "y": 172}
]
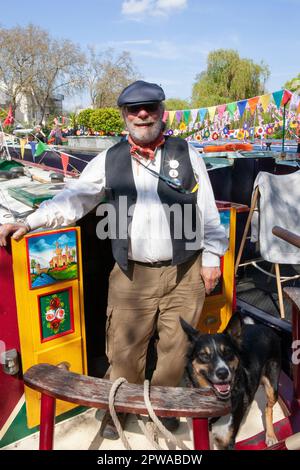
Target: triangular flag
[
  {"x": 202, "y": 113},
  {"x": 32, "y": 145},
  {"x": 277, "y": 96},
  {"x": 241, "y": 106},
  {"x": 40, "y": 148},
  {"x": 178, "y": 115},
  {"x": 286, "y": 97},
  {"x": 211, "y": 112},
  {"x": 252, "y": 102},
  {"x": 265, "y": 101},
  {"x": 194, "y": 114},
  {"x": 298, "y": 109},
  {"x": 221, "y": 109},
  {"x": 171, "y": 117},
  {"x": 9, "y": 120},
  {"x": 231, "y": 108},
  {"x": 186, "y": 116},
  {"x": 22, "y": 146},
  {"x": 64, "y": 161},
  {"x": 165, "y": 116}
]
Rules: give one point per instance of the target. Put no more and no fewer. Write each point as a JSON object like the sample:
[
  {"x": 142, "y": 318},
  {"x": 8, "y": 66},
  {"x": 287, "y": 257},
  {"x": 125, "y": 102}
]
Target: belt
[{"x": 156, "y": 264}]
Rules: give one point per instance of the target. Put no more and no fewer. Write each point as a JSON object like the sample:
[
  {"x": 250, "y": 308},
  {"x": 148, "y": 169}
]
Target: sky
[{"x": 169, "y": 40}]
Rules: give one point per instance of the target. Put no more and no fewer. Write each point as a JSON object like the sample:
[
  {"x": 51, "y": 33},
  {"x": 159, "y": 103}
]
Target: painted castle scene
[{"x": 52, "y": 258}]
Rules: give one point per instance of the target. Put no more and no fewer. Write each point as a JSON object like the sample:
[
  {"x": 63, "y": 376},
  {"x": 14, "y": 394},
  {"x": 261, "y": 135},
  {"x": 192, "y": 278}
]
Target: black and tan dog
[{"x": 233, "y": 364}]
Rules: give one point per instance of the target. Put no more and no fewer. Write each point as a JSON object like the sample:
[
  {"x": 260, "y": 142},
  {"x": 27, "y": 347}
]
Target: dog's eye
[
  {"x": 228, "y": 354},
  {"x": 204, "y": 357}
]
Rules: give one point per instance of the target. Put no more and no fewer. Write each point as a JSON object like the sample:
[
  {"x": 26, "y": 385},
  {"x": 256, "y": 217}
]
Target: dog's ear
[
  {"x": 234, "y": 328},
  {"x": 191, "y": 333}
]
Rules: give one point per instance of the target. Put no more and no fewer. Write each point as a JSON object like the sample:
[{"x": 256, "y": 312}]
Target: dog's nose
[{"x": 222, "y": 373}]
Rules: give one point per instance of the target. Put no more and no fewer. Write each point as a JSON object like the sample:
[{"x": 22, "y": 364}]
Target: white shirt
[{"x": 149, "y": 235}]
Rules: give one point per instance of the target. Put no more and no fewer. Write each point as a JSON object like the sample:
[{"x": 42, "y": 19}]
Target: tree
[
  {"x": 37, "y": 66},
  {"x": 106, "y": 120},
  {"x": 84, "y": 117},
  {"x": 293, "y": 84},
  {"x": 228, "y": 78},
  {"x": 33, "y": 265},
  {"x": 172, "y": 104},
  {"x": 107, "y": 75}
]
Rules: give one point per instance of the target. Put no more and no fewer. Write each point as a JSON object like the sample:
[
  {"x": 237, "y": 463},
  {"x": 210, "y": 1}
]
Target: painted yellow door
[{"x": 49, "y": 295}]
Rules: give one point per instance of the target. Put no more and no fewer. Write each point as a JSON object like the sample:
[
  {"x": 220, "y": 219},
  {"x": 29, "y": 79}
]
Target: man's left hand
[{"x": 210, "y": 278}]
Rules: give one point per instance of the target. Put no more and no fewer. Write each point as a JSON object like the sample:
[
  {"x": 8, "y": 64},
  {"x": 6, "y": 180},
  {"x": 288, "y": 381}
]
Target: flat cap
[{"x": 141, "y": 92}]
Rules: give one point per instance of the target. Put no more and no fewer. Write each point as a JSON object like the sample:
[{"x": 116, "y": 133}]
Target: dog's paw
[{"x": 271, "y": 440}]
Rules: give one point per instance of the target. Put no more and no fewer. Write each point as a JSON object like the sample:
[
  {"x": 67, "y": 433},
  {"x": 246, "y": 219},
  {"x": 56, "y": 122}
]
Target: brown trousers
[{"x": 149, "y": 298}]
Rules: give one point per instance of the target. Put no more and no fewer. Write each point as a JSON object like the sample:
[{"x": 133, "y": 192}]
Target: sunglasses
[{"x": 136, "y": 108}]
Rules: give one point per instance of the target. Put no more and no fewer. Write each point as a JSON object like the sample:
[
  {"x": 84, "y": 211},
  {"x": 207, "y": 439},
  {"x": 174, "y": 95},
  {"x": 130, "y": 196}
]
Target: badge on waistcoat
[
  {"x": 173, "y": 173},
  {"x": 174, "y": 164}
]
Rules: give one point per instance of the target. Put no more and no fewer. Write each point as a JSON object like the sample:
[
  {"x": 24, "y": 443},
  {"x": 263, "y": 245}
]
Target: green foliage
[
  {"x": 3, "y": 114},
  {"x": 106, "y": 120},
  {"x": 293, "y": 84},
  {"x": 173, "y": 104},
  {"x": 84, "y": 116},
  {"x": 73, "y": 120},
  {"x": 228, "y": 78}
]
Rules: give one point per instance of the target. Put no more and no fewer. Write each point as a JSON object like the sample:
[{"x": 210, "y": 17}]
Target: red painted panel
[{"x": 11, "y": 387}]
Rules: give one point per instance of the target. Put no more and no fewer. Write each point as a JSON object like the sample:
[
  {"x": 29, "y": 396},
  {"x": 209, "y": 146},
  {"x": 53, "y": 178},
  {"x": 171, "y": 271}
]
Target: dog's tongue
[{"x": 222, "y": 388}]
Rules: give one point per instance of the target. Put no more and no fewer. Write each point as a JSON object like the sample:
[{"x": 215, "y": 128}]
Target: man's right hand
[{"x": 17, "y": 231}]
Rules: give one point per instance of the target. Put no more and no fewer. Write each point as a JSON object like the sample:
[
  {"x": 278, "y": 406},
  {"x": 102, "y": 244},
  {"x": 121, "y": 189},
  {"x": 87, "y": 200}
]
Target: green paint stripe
[{"x": 18, "y": 429}]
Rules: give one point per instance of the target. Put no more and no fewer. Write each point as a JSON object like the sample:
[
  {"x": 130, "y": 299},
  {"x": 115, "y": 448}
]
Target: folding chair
[{"x": 275, "y": 201}]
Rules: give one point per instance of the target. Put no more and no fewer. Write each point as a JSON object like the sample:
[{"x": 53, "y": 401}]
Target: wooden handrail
[
  {"x": 286, "y": 235},
  {"x": 94, "y": 392}
]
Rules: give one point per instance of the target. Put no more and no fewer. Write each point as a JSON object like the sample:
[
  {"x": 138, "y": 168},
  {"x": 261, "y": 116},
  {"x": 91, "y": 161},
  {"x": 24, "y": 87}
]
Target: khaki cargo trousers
[{"x": 152, "y": 298}]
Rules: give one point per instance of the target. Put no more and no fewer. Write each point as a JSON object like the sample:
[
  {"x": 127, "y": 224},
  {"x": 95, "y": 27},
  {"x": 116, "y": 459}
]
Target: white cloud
[
  {"x": 135, "y": 7},
  {"x": 138, "y": 8}
]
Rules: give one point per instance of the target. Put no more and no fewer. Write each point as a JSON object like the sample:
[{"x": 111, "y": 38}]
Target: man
[{"x": 170, "y": 254}]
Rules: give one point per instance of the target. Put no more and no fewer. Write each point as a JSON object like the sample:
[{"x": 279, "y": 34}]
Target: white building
[{"x": 26, "y": 112}]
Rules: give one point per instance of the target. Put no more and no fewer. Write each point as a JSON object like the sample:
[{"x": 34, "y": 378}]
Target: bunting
[
  {"x": 186, "y": 116},
  {"x": 211, "y": 112},
  {"x": 178, "y": 115},
  {"x": 286, "y": 97},
  {"x": 221, "y": 109},
  {"x": 194, "y": 114},
  {"x": 241, "y": 106},
  {"x": 171, "y": 117},
  {"x": 33, "y": 146},
  {"x": 277, "y": 96},
  {"x": 265, "y": 101},
  {"x": 23, "y": 142},
  {"x": 9, "y": 120},
  {"x": 252, "y": 103},
  {"x": 202, "y": 113},
  {"x": 40, "y": 148},
  {"x": 231, "y": 108},
  {"x": 64, "y": 161}
]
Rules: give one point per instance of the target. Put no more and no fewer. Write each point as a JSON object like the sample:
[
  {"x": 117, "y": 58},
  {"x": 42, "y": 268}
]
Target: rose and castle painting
[{"x": 52, "y": 258}]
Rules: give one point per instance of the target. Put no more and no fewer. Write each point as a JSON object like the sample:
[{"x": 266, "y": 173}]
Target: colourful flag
[
  {"x": 221, "y": 109},
  {"x": 286, "y": 97},
  {"x": 186, "y": 116},
  {"x": 252, "y": 102},
  {"x": 211, "y": 112},
  {"x": 241, "y": 106},
  {"x": 64, "y": 161},
  {"x": 9, "y": 120},
  {"x": 277, "y": 95},
  {"x": 202, "y": 112},
  {"x": 264, "y": 101},
  {"x": 171, "y": 117},
  {"x": 40, "y": 148},
  {"x": 22, "y": 146},
  {"x": 231, "y": 108},
  {"x": 33, "y": 146}
]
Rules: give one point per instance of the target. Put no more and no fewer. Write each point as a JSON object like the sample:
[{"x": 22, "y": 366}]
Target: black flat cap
[{"x": 141, "y": 92}]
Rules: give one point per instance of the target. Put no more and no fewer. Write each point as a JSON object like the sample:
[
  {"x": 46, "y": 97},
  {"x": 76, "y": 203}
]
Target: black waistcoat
[{"x": 120, "y": 182}]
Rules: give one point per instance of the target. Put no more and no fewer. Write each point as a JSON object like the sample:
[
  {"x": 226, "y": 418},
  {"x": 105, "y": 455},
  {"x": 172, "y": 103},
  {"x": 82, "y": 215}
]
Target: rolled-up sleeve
[
  {"x": 214, "y": 239},
  {"x": 77, "y": 198}
]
